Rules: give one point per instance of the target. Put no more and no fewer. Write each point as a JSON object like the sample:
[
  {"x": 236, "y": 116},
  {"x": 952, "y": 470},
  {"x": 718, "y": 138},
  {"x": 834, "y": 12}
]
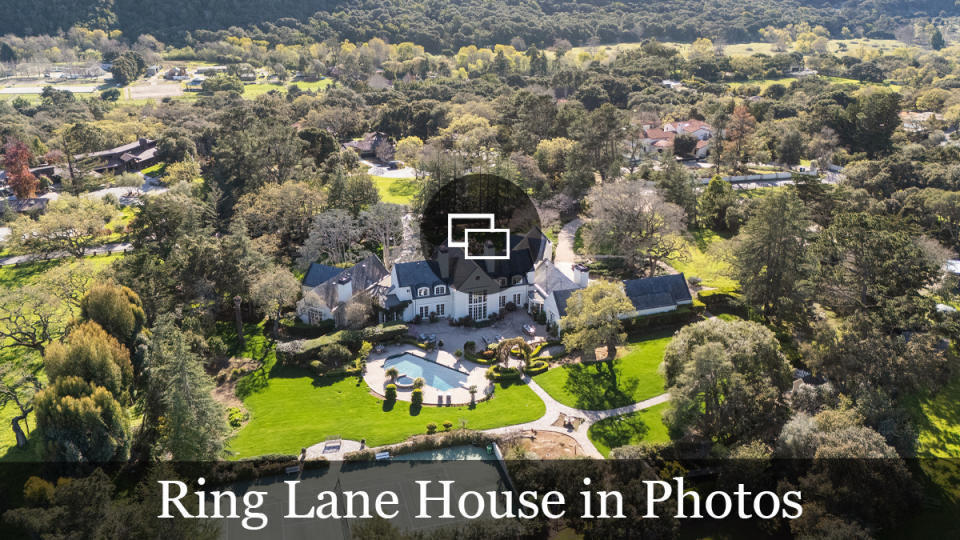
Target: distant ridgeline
[{"x": 440, "y": 25}]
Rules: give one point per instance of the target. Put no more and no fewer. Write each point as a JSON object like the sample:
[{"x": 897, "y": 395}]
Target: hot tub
[{"x": 404, "y": 381}]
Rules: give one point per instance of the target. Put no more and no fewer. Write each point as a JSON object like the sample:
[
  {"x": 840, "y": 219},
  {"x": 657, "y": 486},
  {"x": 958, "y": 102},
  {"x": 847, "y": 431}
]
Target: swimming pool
[{"x": 434, "y": 375}]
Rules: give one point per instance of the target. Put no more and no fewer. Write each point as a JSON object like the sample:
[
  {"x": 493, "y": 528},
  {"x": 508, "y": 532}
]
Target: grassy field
[
  {"x": 635, "y": 377},
  {"x": 699, "y": 261},
  {"x": 634, "y": 428},
  {"x": 251, "y": 91},
  {"x": 395, "y": 190},
  {"x": 296, "y": 410}
]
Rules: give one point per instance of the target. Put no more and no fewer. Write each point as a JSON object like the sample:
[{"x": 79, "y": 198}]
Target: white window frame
[
  {"x": 424, "y": 311},
  {"x": 517, "y": 298},
  {"x": 440, "y": 289},
  {"x": 502, "y": 281},
  {"x": 423, "y": 291},
  {"x": 441, "y": 309},
  {"x": 517, "y": 280},
  {"x": 503, "y": 301}
]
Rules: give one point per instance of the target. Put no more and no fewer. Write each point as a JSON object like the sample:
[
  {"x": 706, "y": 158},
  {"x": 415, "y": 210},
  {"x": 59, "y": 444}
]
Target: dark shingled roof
[
  {"x": 561, "y": 297},
  {"x": 363, "y": 275},
  {"x": 319, "y": 273},
  {"x": 657, "y": 292},
  {"x": 411, "y": 274}
]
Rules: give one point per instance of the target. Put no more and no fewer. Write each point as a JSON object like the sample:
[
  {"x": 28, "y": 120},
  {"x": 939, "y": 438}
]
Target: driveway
[{"x": 565, "y": 258}]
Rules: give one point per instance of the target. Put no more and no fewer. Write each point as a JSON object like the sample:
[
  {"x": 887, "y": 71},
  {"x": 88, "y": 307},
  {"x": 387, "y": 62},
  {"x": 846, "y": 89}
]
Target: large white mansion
[{"x": 450, "y": 286}]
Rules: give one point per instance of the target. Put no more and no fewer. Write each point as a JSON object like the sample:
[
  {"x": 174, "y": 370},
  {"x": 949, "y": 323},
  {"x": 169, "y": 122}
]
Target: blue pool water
[{"x": 440, "y": 377}]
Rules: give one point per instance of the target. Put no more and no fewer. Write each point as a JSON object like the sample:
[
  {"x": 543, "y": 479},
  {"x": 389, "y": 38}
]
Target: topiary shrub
[
  {"x": 431, "y": 428},
  {"x": 447, "y": 425},
  {"x": 416, "y": 397},
  {"x": 334, "y": 354},
  {"x": 537, "y": 367},
  {"x": 391, "y": 392}
]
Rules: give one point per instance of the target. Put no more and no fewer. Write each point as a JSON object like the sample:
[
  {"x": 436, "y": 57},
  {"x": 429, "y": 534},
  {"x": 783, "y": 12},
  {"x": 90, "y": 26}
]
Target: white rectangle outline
[
  {"x": 451, "y": 217},
  {"x": 466, "y": 250}
]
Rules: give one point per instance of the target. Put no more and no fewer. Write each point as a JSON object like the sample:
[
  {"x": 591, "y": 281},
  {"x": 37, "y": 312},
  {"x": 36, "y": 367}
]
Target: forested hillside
[{"x": 445, "y": 24}]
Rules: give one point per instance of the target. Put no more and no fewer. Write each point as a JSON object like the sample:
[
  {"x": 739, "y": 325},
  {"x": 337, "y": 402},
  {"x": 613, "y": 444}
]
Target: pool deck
[{"x": 376, "y": 376}]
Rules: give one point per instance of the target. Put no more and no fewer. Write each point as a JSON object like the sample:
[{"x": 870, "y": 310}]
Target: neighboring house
[
  {"x": 153, "y": 70},
  {"x": 36, "y": 205},
  {"x": 699, "y": 129},
  {"x": 176, "y": 74},
  {"x": 134, "y": 156},
  {"x": 367, "y": 146},
  {"x": 657, "y": 140},
  {"x": 657, "y": 294},
  {"x": 328, "y": 289},
  {"x": 211, "y": 70},
  {"x": 918, "y": 122}
]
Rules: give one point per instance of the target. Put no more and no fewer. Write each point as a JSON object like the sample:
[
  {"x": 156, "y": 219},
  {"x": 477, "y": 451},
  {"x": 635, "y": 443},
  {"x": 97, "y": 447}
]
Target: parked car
[
  {"x": 394, "y": 165},
  {"x": 529, "y": 329}
]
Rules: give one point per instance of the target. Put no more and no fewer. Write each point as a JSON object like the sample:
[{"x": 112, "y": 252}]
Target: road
[{"x": 118, "y": 247}]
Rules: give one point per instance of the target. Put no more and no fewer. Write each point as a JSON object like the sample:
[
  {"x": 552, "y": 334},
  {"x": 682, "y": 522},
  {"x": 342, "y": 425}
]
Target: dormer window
[
  {"x": 502, "y": 281},
  {"x": 517, "y": 280},
  {"x": 423, "y": 291},
  {"x": 440, "y": 289}
]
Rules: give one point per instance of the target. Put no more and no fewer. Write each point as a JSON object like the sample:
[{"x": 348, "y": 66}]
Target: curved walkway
[{"x": 555, "y": 409}]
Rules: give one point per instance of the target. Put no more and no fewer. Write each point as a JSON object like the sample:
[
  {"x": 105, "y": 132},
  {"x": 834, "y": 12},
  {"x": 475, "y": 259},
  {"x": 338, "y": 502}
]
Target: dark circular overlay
[{"x": 511, "y": 209}]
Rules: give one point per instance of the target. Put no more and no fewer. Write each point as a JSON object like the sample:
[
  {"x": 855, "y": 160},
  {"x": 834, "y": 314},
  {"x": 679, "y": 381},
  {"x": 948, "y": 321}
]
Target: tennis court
[{"x": 472, "y": 470}]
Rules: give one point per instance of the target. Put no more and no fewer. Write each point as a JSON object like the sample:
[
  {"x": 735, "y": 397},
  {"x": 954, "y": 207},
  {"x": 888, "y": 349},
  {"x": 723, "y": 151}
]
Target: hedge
[
  {"x": 499, "y": 373},
  {"x": 537, "y": 367},
  {"x": 302, "y": 352},
  {"x": 384, "y": 332},
  {"x": 297, "y": 329}
]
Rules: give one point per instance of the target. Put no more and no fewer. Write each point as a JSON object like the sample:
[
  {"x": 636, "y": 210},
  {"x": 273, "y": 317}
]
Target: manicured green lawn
[
  {"x": 296, "y": 410},
  {"x": 937, "y": 420},
  {"x": 395, "y": 190},
  {"x": 634, "y": 428},
  {"x": 635, "y": 377}
]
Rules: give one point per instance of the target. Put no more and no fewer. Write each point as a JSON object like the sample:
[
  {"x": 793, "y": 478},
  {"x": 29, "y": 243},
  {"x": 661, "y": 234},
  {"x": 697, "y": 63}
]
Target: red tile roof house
[{"x": 656, "y": 140}]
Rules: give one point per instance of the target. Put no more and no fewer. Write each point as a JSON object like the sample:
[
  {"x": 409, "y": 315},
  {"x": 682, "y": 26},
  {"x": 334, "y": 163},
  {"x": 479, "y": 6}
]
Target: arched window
[
  {"x": 440, "y": 289},
  {"x": 502, "y": 281},
  {"x": 423, "y": 291},
  {"x": 517, "y": 280}
]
